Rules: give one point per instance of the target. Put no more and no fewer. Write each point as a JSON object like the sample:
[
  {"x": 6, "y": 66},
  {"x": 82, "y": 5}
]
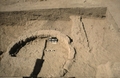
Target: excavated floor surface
[{"x": 96, "y": 40}]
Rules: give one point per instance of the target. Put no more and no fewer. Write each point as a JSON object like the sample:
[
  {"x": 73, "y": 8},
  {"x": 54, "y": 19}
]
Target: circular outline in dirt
[{"x": 59, "y": 35}]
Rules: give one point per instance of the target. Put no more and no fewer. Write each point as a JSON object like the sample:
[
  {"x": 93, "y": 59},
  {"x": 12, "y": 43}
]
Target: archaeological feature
[{"x": 59, "y": 39}]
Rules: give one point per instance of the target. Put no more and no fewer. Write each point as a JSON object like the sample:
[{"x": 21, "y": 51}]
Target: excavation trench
[
  {"x": 43, "y": 46},
  {"x": 27, "y": 54},
  {"x": 17, "y": 46}
]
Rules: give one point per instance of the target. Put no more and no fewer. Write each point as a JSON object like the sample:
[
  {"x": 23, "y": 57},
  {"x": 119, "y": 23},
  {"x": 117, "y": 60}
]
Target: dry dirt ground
[{"x": 88, "y": 38}]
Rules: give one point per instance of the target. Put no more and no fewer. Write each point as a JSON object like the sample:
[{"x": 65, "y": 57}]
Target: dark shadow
[
  {"x": 75, "y": 52},
  {"x": 38, "y": 64},
  {"x": 44, "y": 49},
  {"x": 31, "y": 77},
  {"x": 15, "y": 49},
  {"x": 71, "y": 40},
  {"x": 1, "y": 52},
  {"x": 37, "y": 68}
]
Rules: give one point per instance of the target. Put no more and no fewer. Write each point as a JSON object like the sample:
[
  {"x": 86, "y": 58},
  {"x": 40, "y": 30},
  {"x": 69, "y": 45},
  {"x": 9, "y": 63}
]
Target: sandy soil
[{"x": 96, "y": 40}]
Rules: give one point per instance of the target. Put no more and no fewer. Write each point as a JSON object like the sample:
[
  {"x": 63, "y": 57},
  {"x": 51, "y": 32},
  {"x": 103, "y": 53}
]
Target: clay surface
[{"x": 88, "y": 36}]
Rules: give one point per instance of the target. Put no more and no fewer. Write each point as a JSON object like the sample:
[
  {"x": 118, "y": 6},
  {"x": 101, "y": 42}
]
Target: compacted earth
[{"x": 80, "y": 42}]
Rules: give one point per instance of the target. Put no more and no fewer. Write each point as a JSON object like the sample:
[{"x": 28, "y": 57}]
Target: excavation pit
[
  {"x": 76, "y": 34},
  {"x": 32, "y": 47}
]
